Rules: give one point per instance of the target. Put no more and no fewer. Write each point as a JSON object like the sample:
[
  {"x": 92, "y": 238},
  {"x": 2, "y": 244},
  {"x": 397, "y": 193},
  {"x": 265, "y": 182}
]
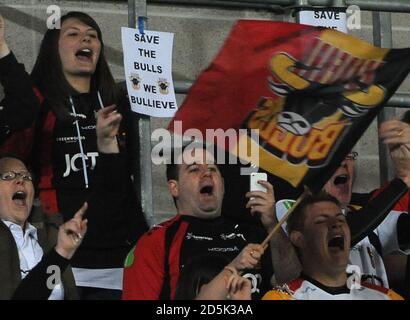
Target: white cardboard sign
[
  {"x": 148, "y": 71},
  {"x": 324, "y": 18}
]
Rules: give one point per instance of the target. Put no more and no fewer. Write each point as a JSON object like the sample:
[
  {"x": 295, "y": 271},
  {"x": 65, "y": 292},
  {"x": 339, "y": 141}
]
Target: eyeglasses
[
  {"x": 352, "y": 156},
  {"x": 11, "y": 175}
]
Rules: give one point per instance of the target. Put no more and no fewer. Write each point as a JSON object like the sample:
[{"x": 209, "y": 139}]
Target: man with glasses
[
  {"x": 29, "y": 248},
  {"x": 340, "y": 185},
  {"x": 367, "y": 253},
  {"x": 391, "y": 235},
  {"x": 384, "y": 232}
]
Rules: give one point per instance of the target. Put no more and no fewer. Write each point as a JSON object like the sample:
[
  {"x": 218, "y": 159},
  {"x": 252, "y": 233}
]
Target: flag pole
[{"x": 285, "y": 218}]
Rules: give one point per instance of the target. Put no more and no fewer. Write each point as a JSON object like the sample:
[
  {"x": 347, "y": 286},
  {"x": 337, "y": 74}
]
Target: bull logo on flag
[{"x": 316, "y": 99}]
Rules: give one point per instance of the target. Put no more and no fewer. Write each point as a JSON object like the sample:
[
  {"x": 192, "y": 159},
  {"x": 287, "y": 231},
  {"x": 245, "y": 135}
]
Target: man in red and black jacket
[{"x": 154, "y": 265}]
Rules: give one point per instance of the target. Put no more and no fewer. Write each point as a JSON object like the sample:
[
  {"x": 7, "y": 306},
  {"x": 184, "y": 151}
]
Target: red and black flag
[{"x": 310, "y": 91}]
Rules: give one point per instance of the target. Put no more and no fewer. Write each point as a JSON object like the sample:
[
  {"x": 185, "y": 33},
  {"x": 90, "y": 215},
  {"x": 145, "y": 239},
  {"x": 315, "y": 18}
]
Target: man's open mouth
[
  {"x": 337, "y": 242},
  {"x": 84, "y": 54},
  {"x": 19, "y": 198},
  {"x": 340, "y": 179},
  {"x": 207, "y": 190}
]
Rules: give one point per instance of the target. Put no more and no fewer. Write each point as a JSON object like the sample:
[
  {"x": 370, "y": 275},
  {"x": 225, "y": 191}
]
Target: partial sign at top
[
  {"x": 328, "y": 18},
  {"x": 148, "y": 71}
]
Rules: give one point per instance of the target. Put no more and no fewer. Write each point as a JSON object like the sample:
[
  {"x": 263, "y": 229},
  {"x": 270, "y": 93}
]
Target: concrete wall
[{"x": 199, "y": 33}]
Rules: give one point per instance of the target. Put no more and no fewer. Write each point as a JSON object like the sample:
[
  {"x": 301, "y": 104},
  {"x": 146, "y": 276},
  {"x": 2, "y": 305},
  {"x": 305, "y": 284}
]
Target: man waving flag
[{"x": 311, "y": 93}]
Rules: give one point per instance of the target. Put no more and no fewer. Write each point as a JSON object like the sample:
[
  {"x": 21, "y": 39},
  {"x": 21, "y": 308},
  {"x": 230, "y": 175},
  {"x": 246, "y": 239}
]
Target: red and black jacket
[{"x": 153, "y": 267}]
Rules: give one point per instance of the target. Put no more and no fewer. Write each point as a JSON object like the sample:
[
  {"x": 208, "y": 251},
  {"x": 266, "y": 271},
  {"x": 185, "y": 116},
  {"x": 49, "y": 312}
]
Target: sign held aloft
[
  {"x": 148, "y": 72},
  {"x": 332, "y": 18}
]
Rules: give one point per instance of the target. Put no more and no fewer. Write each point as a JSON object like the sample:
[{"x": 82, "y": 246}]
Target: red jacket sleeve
[
  {"x": 144, "y": 267},
  {"x": 403, "y": 204}
]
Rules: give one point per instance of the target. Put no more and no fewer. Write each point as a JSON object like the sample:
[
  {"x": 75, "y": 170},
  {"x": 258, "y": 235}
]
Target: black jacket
[
  {"x": 33, "y": 286},
  {"x": 20, "y": 107}
]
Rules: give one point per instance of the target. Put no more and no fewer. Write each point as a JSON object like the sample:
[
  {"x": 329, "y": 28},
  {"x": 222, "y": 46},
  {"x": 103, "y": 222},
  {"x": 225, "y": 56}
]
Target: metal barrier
[
  {"x": 375, "y": 5},
  {"x": 382, "y": 37},
  {"x": 138, "y": 8}
]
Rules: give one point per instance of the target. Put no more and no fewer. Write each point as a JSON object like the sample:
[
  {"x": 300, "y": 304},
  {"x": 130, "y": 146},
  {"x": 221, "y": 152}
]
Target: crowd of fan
[{"x": 89, "y": 224}]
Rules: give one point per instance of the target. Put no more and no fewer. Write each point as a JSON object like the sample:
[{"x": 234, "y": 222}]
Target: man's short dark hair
[
  {"x": 297, "y": 218},
  {"x": 172, "y": 170},
  {"x": 173, "y": 167}
]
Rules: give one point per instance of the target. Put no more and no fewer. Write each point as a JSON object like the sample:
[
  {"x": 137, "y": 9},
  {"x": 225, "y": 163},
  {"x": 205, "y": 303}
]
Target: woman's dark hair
[
  {"x": 198, "y": 271},
  {"x": 48, "y": 75}
]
